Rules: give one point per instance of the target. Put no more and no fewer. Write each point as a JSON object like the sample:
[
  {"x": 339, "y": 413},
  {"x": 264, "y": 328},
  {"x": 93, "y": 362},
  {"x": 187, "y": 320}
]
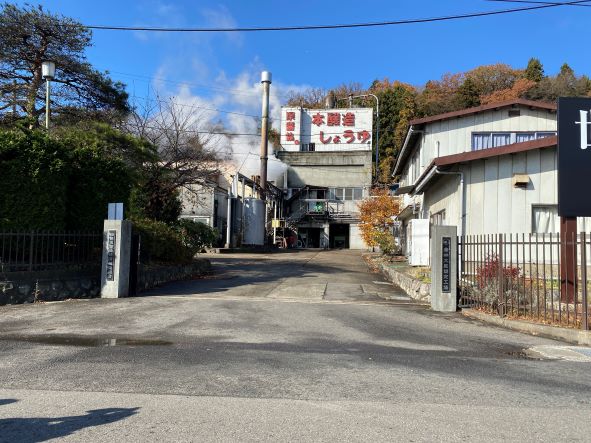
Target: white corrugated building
[{"x": 489, "y": 169}]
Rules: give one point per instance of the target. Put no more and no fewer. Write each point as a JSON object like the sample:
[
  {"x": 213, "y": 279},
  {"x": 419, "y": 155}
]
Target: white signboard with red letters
[{"x": 326, "y": 129}]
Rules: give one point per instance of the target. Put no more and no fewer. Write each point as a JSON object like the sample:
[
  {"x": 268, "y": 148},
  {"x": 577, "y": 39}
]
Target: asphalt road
[{"x": 302, "y": 346}]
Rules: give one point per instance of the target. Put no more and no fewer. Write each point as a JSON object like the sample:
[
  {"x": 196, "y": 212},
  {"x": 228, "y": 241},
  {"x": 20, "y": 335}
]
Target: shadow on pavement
[
  {"x": 234, "y": 272},
  {"x": 7, "y": 401},
  {"x": 38, "y": 429}
]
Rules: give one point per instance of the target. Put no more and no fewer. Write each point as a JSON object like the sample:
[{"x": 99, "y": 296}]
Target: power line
[
  {"x": 204, "y": 108},
  {"x": 197, "y": 85},
  {"x": 238, "y": 134},
  {"x": 338, "y": 26},
  {"x": 542, "y": 3}
]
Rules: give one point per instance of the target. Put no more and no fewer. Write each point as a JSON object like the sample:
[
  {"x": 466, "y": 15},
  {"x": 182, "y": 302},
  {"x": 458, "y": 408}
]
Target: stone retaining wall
[
  {"x": 415, "y": 289},
  {"x": 150, "y": 276},
  {"x": 27, "y": 287}
]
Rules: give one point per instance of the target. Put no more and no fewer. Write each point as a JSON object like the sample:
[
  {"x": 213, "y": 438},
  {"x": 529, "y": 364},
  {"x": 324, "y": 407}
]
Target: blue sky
[
  {"x": 411, "y": 53},
  {"x": 222, "y": 70}
]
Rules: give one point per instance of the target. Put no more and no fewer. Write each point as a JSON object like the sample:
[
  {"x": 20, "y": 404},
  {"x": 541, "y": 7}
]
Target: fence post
[
  {"x": 444, "y": 266},
  {"x": 568, "y": 229},
  {"x": 585, "y": 310},
  {"x": 501, "y": 279},
  {"x": 31, "y": 250}
]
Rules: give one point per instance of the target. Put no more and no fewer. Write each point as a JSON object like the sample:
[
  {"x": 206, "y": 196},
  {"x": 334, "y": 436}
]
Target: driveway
[{"x": 304, "y": 346}]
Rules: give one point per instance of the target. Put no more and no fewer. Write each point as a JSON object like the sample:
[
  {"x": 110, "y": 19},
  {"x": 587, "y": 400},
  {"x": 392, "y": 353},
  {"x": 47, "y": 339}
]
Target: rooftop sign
[
  {"x": 326, "y": 129},
  {"x": 574, "y": 156}
]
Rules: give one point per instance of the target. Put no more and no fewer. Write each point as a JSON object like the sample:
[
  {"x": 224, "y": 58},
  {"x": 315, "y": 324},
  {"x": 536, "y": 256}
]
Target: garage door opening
[
  {"x": 339, "y": 236},
  {"x": 309, "y": 237}
]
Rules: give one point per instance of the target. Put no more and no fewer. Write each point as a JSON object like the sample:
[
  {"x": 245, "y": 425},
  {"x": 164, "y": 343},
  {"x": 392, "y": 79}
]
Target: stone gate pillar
[
  {"x": 116, "y": 259},
  {"x": 444, "y": 268}
]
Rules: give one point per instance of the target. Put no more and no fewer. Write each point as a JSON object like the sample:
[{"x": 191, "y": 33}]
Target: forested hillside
[{"x": 401, "y": 102}]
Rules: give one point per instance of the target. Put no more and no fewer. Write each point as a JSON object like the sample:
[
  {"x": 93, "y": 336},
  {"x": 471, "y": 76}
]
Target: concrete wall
[
  {"x": 355, "y": 240},
  {"x": 328, "y": 169},
  {"x": 332, "y": 169}
]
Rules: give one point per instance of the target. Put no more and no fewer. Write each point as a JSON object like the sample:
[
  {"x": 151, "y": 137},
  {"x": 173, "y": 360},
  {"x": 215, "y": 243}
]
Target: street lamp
[
  {"x": 350, "y": 98},
  {"x": 48, "y": 73}
]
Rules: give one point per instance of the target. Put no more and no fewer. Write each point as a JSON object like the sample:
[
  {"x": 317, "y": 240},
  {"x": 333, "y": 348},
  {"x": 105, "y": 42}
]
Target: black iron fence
[
  {"x": 49, "y": 250},
  {"x": 540, "y": 277}
]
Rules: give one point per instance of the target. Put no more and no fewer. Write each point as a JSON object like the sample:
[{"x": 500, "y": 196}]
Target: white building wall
[
  {"x": 455, "y": 135},
  {"x": 444, "y": 195},
  {"x": 493, "y": 204},
  {"x": 355, "y": 240}
]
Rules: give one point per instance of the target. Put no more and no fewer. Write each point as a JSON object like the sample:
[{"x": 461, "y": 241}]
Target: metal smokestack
[
  {"x": 266, "y": 81},
  {"x": 330, "y": 101}
]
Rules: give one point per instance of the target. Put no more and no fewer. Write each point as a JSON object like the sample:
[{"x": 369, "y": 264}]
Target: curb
[
  {"x": 418, "y": 291},
  {"x": 569, "y": 335}
]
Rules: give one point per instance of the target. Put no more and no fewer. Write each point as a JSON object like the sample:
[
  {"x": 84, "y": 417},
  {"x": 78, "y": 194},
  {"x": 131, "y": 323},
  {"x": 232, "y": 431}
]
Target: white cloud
[
  {"x": 222, "y": 18},
  {"x": 241, "y": 95}
]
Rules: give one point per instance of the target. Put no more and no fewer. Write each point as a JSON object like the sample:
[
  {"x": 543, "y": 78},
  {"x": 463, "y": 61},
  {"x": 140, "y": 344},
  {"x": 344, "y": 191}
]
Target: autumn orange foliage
[
  {"x": 519, "y": 88},
  {"x": 376, "y": 214}
]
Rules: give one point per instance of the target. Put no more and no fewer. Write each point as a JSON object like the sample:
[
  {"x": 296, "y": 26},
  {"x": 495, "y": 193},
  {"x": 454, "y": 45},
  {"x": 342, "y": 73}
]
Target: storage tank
[{"x": 254, "y": 222}]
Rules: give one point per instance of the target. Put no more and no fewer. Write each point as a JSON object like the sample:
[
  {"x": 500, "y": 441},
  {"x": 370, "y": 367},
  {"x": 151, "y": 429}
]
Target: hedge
[{"x": 47, "y": 183}]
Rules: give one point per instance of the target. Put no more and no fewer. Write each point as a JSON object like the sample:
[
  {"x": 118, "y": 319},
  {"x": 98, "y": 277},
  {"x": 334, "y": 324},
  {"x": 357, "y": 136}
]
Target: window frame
[
  {"x": 512, "y": 137},
  {"x": 535, "y": 206}
]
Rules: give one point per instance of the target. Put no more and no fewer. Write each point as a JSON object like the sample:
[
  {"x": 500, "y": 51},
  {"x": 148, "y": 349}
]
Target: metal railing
[
  {"x": 49, "y": 250},
  {"x": 540, "y": 277}
]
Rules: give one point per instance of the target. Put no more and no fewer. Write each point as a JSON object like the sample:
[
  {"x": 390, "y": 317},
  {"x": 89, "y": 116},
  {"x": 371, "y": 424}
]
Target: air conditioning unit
[{"x": 418, "y": 242}]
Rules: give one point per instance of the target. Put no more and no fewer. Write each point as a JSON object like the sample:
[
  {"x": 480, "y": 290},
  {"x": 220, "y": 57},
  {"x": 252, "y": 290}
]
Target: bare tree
[
  {"x": 189, "y": 155},
  {"x": 314, "y": 98}
]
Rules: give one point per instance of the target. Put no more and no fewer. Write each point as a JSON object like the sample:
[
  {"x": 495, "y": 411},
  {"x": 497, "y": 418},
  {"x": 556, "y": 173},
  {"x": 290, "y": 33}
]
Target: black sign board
[
  {"x": 574, "y": 156},
  {"x": 446, "y": 264},
  {"x": 111, "y": 239}
]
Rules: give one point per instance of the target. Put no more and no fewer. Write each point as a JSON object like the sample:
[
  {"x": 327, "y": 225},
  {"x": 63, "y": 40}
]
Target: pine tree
[{"x": 534, "y": 70}]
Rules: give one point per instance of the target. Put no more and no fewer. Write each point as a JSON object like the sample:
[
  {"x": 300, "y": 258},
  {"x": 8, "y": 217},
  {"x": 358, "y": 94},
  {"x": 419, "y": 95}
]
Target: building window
[
  {"x": 481, "y": 141},
  {"x": 345, "y": 194},
  {"x": 545, "y": 219},
  {"x": 485, "y": 140},
  {"x": 308, "y": 147},
  {"x": 438, "y": 219},
  {"x": 525, "y": 137},
  {"x": 416, "y": 167}
]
